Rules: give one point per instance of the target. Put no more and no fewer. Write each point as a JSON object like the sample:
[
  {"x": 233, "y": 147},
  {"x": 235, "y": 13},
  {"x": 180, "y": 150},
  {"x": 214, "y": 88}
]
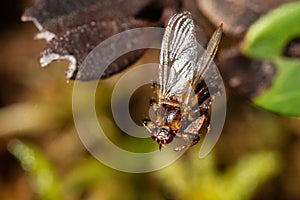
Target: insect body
[{"x": 183, "y": 106}]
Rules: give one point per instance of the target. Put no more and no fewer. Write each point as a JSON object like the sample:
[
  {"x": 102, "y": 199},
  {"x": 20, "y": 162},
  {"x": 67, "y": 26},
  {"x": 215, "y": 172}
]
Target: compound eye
[
  {"x": 169, "y": 138},
  {"x": 154, "y": 135}
]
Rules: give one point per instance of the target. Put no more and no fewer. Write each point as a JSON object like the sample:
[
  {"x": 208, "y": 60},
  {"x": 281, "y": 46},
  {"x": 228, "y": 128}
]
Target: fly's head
[{"x": 162, "y": 136}]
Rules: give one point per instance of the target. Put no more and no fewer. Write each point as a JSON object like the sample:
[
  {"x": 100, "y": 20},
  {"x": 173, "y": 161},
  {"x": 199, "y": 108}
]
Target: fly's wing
[
  {"x": 178, "y": 57},
  {"x": 203, "y": 66},
  {"x": 204, "y": 71}
]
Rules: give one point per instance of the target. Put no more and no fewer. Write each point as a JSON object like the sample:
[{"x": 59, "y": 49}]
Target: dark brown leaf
[{"x": 74, "y": 27}]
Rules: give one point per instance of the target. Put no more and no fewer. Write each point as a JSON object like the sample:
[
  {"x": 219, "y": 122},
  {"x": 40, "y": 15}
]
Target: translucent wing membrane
[
  {"x": 203, "y": 69},
  {"x": 182, "y": 65},
  {"x": 207, "y": 57},
  {"x": 178, "y": 57}
]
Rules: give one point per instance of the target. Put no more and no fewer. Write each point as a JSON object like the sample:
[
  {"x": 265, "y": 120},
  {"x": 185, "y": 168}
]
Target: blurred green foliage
[
  {"x": 188, "y": 178},
  {"x": 200, "y": 179},
  {"x": 267, "y": 39},
  {"x": 43, "y": 176}
]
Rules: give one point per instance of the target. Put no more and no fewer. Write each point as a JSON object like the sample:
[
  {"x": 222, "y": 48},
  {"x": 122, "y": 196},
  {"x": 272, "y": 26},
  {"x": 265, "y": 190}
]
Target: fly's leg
[
  {"x": 195, "y": 141},
  {"x": 149, "y": 125},
  {"x": 156, "y": 89},
  {"x": 196, "y": 129},
  {"x": 154, "y": 86},
  {"x": 204, "y": 111},
  {"x": 152, "y": 101},
  {"x": 191, "y": 133}
]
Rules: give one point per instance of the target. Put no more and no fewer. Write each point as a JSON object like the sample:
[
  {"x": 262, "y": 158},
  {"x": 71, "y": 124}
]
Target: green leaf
[
  {"x": 284, "y": 95},
  {"x": 267, "y": 39}
]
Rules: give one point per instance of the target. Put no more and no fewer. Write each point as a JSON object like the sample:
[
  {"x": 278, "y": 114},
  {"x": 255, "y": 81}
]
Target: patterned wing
[
  {"x": 203, "y": 71},
  {"x": 178, "y": 57},
  {"x": 205, "y": 60}
]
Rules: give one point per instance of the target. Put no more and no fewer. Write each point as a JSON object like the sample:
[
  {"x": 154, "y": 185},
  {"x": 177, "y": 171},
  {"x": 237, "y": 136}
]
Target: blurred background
[{"x": 42, "y": 157}]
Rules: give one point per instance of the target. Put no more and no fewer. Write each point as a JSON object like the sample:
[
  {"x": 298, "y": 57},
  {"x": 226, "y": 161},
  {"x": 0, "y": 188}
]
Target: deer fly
[{"x": 184, "y": 101}]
